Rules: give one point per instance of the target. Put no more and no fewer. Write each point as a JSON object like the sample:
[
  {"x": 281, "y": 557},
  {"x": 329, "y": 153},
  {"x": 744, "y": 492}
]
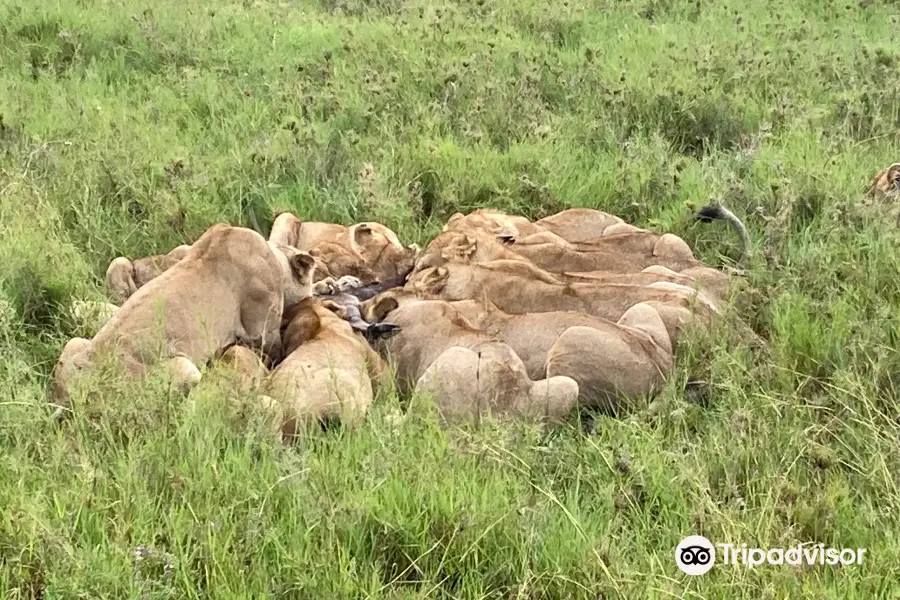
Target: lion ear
[
  {"x": 302, "y": 263},
  {"x": 453, "y": 219},
  {"x": 893, "y": 172},
  {"x": 382, "y": 307},
  {"x": 362, "y": 232},
  {"x": 437, "y": 280}
]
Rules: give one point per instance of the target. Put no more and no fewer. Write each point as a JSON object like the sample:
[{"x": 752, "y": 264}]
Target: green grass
[{"x": 118, "y": 116}]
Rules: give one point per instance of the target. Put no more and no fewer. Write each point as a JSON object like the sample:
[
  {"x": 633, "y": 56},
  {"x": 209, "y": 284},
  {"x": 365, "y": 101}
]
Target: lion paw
[{"x": 324, "y": 286}]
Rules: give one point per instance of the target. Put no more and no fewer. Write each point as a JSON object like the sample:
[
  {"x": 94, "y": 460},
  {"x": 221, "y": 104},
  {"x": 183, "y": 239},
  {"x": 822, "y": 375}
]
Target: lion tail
[{"x": 712, "y": 212}]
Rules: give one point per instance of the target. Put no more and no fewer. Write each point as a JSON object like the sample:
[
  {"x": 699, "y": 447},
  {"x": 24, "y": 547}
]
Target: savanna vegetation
[{"x": 130, "y": 127}]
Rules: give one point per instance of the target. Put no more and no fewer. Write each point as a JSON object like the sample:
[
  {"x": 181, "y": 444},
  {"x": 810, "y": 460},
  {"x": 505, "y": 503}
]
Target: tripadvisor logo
[{"x": 696, "y": 555}]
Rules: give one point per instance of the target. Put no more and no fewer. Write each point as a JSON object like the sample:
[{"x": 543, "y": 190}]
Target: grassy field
[{"x": 130, "y": 127}]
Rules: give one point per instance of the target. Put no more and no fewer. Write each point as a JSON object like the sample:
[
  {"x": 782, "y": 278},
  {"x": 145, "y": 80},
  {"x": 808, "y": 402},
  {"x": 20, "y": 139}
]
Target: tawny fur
[
  {"x": 330, "y": 371},
  {"x": 468, "y": 384},
  {"x": 231, "y": 287},
  {"x": 247, "y": 364},
  {"x": 366, "y": 246},
  {"x": 568, "y": 263},
  {"x": 516, "y": 292},
  {"x": 571, "y": 225},
  {"x": 886, "y": 183},
  {"x": 614, "y": 363},
  {"x": 124, "y": 277}
]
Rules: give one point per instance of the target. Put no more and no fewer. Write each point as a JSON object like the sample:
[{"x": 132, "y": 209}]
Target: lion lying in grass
[
  {"x": 369, "y": 251},
  {"x": 518, "y": 287},
  {"x": 468, "y": 371},
  {"x": 571, "y": 225},
  {"x": 619, "y": 252},
  {"x": 125, "y": 277},
  {"x": 490, "y": 379},
  {"x": 568, "y": 264},
  {"x": 614, "y": 364}
]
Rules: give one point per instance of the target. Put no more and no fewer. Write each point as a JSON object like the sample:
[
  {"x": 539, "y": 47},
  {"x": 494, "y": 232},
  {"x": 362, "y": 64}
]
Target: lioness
[
  {"x": 426, "y": 329},
  {"x": 231, "y": 287},
  {"x": 483, "y": 248},
  {"x": 489, "y": 379},
  {"x": 886, "y": 182},
  {"x": 614, "y": 364},
  {"x": 621, "y": 252},
  {"x": 579, "y": 224},
  {"x": 491, "y": 221},
  {"x": 431, "y": 353},
  {"x": 125, "y": 277},
  {"x": 289, "y": 230},
  {"x": 570, "y": 225},
  {"x": 246, "y": 363},
  {"x": 513, "y": 289},
  {"x": 377, "y": 246},
  {"x": 329, "y": 371},
  {"x": 340, "y": 261},
  {"x": 712, "y": 283},
  {"x": 565, "y": 262}
]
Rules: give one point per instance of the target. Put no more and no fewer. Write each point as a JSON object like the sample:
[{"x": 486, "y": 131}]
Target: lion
[
  {"x": 714, "y": 284},
  {"x": 570, "y": 225},
  {"x": 513, "y": 288},
  {"x": 622, "y": 252},
  {"x": 231, "y": 287},
  {"x": 482, "y": 248},
  {"x": 489, "y": 379},
  {"x": 885, "y": 183},
  {"x": 339, "y": 261},
  {"x": 614, "y": 364},
  {"x": 436, "y": 346},
  {"x": 289, "y": 230},
  {"x": 579, "y": 224},
  {"x": 426, "y": 329},
  {"x": 370, "y": 245},
  {"x": 124, "y": 277},
  {"x": 491, "y": 221},
  {"x": 247, "y": 364},
  {"x": 330, "y": 371}
]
